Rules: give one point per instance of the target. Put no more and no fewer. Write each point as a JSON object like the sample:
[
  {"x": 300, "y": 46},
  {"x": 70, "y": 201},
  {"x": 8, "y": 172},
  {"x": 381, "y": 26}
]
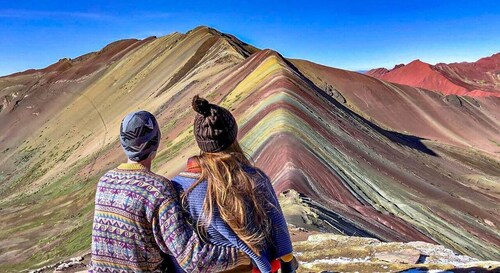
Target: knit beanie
[
  {"x": 139, "y": 135},
  {"x": 215, "y": 128}
]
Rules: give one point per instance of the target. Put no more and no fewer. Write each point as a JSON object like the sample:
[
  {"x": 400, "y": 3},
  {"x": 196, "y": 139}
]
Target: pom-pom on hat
[
  {"x": 139, "y": 135},
  {"x": 215, "y": 128}
]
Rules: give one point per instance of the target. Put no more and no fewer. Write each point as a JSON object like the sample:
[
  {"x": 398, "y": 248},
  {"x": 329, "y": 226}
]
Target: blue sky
[{"x": 355, "y": 35}]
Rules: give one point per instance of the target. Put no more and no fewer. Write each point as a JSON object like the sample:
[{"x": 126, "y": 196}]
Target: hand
[{"x": 289, "y": 267}]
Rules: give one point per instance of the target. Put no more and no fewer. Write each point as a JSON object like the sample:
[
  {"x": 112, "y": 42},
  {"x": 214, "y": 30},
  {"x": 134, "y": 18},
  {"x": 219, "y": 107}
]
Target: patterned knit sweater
[
  {"x": 138, "y": 220},
  {"x": 220, "y": 233}
]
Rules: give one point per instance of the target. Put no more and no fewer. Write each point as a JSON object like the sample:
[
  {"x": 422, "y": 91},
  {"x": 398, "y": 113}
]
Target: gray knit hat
[
  {"x": 139, "y": 135},
  {"x": 215, "y": 128}
]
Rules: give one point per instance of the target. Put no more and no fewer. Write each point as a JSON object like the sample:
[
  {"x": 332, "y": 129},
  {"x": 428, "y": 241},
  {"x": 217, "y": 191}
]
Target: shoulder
[
  {"x": 161, "y": 183},
  {"x": 262, "y": 174},
  {"x": 263, "y": 182},
  {"x": 157, "y": 177},
  {"x": 188, "y": 175},
  {"x": 257, "y": 173},
  {"x": 111, "y": 177},
  {"x": 185, "y": 180},
  {"x": 154, "y": 184},
  {"x": 113, "y": 173}
]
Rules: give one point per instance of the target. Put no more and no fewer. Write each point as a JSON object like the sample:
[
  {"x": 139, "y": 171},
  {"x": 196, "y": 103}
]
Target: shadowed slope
[{"x": 466, "y": 122}]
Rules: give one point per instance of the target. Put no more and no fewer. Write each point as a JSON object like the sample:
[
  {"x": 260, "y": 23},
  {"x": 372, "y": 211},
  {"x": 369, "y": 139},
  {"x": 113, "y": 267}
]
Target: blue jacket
[{"x": 219, "y": 233}]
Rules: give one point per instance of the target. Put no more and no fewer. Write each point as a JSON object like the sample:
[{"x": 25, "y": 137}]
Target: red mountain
[{"x": 478, "y": 79}]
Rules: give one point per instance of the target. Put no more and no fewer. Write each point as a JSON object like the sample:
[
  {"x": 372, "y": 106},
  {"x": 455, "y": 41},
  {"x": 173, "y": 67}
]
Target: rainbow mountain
[{"x": 381, "y": 160}]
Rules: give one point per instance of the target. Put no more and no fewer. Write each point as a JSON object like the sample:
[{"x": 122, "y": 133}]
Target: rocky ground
[
  {"x": 320, "y": 245},
  {"x": 73, "y": 265},
  {"x": 337, "y": 253},
  {"x": 318, "y": 249},
  {"x": 328, "y": 252}
]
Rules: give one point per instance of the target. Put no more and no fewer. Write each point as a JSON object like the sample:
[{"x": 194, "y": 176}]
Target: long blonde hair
[{"x": 235, "y": 194}]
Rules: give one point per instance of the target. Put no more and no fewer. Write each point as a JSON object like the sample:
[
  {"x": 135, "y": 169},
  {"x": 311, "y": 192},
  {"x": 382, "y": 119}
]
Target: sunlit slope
[{"x": 49, "y": 176}]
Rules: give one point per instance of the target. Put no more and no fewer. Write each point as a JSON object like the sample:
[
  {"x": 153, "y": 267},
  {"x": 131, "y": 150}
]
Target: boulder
[
  {"x": 403, "y": 256},
  {"x": 453, "y": 100}
]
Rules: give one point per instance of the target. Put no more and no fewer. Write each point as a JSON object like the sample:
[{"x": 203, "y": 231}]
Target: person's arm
[
  {"x": 289, "y": 264},
  {"x": 176, "y": 237},
  {"x": 225, "y": 231},
  {"x": 280, "y": 234}
]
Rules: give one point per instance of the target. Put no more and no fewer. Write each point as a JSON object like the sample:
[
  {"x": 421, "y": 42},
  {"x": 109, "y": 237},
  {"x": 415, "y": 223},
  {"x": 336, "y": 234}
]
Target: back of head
[
  {"x": 230, "y": 188},
  {"x": 139, "y": 135}
]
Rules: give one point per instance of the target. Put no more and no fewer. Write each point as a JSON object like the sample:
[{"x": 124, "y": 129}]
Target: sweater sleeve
[
  {"x": 280, "y": 235},
  {"x": 176, "y": 237},
  {"x": 225, "y": 231}
]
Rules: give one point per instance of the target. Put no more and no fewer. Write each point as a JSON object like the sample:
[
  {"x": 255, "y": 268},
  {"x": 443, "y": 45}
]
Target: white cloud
[
  {"x": 39, "y": 14},
  {"x": 46, "y": 14}
]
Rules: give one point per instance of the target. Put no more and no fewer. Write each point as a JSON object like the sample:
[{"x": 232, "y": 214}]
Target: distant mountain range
[
  {"x": 377, "y": 159},
  {"x": 476, "y": 79}
]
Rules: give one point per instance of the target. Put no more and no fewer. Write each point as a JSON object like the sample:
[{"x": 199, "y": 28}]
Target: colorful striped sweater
[
  {"x": 220, "y": 233},
  {"x": 138, "y": 221}
]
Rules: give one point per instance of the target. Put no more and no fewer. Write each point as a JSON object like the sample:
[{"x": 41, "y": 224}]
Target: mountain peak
[
  {"x": 416, "y": 62},
  {"x": 204, "y": 29},
  {"x": 471, "y": 79}
]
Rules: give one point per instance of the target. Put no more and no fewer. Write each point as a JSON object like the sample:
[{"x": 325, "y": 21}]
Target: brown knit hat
[{"x": 215, "y": 128}]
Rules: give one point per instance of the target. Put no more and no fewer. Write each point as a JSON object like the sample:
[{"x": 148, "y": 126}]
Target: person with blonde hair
[{"x": 231, "y": 202}]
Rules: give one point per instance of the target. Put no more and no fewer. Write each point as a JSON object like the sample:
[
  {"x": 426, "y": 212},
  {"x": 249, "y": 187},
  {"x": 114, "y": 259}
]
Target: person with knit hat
[
  {"x": 139, "y": 224},
  {"x": 231, "y": 202}
]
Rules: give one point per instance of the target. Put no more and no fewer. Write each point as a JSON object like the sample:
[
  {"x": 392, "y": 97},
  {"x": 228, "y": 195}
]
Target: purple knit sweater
[{"x": 138, "y": 220}]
